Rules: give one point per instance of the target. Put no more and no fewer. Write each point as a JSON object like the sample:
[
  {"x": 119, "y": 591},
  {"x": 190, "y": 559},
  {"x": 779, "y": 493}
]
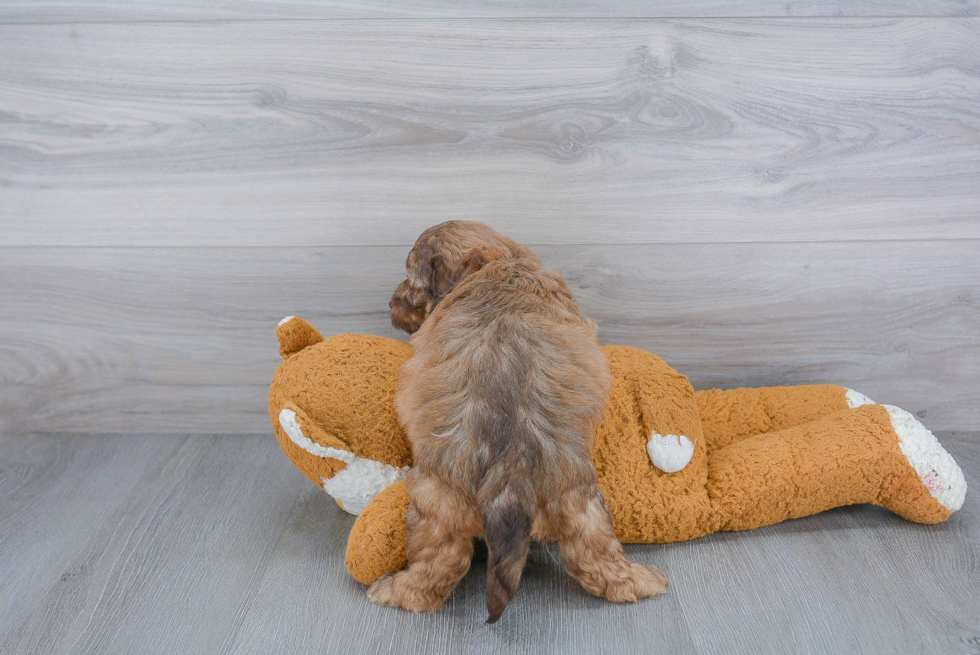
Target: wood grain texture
[
  {"x": 61, "y": 11},
  {"x": 853, "y": 580},
  {"x": 156, "y": 339},
  {"x": 151, "y": 553},
  {"x": 221, "y": 546},
  {"x": 580, "y": 131},
  {"x": 54, "y": 494}
]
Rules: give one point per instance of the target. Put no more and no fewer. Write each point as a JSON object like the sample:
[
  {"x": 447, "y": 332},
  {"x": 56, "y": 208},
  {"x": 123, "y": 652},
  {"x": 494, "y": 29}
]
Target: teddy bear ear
[{"x": 294, "y": 335}]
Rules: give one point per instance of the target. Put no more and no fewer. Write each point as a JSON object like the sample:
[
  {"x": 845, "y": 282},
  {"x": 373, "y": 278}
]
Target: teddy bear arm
[
  {"x": 668, "y": 414},
  {"x": 730, "y": 415}
]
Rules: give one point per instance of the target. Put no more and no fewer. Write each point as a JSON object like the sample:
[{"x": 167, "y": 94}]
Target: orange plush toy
[{"x": 673, "y": 464}]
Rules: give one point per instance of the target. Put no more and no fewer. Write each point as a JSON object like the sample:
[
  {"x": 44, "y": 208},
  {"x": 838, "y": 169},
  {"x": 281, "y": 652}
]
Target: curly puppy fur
[{"x": 500, "y": 402}]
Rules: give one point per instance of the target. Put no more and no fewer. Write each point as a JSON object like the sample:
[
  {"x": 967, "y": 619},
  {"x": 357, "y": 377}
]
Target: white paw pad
[
  {"x": 285, "y": 320},
  {"x": 935, "y": 467},
  {"x": 361, "y": 480},
  {"x": 670, "y": 453}
]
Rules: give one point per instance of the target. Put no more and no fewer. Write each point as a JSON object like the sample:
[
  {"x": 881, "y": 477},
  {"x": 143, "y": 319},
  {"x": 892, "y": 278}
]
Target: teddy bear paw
[
  {"x": 670, "y": 453},
  {"x": 936, "y": 468}
]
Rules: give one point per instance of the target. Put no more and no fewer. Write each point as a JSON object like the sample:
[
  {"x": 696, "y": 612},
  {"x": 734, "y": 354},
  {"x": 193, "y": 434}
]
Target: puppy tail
[{"x": 507, "y": 522}]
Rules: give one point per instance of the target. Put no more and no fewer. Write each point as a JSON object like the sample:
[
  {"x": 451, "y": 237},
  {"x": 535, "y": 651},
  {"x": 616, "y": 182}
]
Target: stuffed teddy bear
[{"x": 673, "y": 464}]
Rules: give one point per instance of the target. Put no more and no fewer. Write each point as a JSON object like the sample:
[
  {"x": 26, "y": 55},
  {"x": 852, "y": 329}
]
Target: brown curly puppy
[{"x": 500, "y": 402}]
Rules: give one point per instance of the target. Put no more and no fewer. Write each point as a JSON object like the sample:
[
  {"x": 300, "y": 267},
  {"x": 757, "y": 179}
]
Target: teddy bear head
[{"x": 332, "y": 408}]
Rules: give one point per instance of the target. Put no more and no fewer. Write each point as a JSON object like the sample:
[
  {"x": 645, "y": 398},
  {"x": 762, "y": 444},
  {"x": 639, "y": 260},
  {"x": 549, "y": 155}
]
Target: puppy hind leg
[
  {"x": 594, "y": 556},
  {"x": 441, "y": 529}
]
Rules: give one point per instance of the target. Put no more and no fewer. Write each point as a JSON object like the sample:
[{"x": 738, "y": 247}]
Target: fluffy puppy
[{"x": 500, "y": 402}]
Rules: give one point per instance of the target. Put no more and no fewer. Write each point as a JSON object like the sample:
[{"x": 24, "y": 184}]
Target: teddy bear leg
[
  {"x": 730, "y": 415},
  {"x": 870, "y": 454},
  {"x": 376, "y": 544},
  {"x": 594, "y": 557},
  {"x": 439, "y": 547}
]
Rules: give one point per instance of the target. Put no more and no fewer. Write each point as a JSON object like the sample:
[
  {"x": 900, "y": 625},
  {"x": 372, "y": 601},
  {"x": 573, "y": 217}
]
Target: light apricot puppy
[{"x": 500, "y": 401}]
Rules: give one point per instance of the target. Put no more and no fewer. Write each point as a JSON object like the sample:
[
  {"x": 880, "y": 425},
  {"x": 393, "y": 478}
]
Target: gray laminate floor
[{"x": 176, "y": 544}]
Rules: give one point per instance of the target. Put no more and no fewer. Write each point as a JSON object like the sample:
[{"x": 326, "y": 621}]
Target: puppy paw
[
  {"x": 641, "y": 582},
  {"x": 393, "y": 590}
]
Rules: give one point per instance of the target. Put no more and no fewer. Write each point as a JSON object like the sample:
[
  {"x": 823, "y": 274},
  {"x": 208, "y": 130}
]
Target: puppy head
[
  {"x": 444, "y": 256},
  {"x": 434, "y": 278}
]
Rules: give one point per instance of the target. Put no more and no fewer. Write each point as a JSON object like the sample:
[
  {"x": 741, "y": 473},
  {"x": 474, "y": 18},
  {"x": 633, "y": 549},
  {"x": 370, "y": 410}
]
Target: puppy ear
[
  {"x": 474, "y": 259},
  {"x": 445, "y": 276}
]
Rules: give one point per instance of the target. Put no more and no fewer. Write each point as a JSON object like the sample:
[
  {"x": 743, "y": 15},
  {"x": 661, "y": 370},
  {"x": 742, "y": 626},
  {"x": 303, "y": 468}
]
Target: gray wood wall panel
[
  {"x": 48, "y": 11},
  {"x": 182, "y": 339},
  {"x": 582, "y": 131},
  {"x": 760, "y": 201}
]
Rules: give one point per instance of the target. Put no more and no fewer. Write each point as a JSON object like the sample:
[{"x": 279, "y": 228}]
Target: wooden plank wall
[
  {"x": 47, "y": 11},
  {"x": 760, "y": 192}
]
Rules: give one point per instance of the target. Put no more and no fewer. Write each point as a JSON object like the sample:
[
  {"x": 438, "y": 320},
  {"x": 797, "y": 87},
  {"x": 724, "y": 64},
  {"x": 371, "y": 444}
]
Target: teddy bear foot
[
  {"x": 391, "y": 590},
  {"x": 935, "y": 486}
]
